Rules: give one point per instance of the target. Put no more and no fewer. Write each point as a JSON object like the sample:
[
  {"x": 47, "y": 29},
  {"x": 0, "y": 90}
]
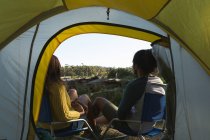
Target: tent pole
[{"x": 27, "y": 78}]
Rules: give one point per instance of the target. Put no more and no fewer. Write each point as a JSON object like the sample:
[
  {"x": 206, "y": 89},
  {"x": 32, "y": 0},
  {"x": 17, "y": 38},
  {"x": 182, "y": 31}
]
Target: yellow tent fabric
[
  {"x": 17, "y": 16},
  {"x": 188, "y": 22},
  {"x": 76, "y": 30},
  {"x": 142, "y": 8}
]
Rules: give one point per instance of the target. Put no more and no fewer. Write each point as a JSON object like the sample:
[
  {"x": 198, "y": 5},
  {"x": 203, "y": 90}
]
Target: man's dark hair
[{"x": 145, "y": 60}]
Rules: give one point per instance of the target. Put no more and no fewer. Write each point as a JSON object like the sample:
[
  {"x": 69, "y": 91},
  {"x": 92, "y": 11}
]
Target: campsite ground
[{"x": 110, "y": 135}]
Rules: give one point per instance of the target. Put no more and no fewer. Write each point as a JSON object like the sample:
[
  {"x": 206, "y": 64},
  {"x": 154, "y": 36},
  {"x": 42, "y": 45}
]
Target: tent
[{"x": 30, "y": 31}]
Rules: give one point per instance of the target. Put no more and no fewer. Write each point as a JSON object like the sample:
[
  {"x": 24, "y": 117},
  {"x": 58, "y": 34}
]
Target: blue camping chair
[
  {"x": 153, "y": 111},
  {"x": 75, "y": 126}
]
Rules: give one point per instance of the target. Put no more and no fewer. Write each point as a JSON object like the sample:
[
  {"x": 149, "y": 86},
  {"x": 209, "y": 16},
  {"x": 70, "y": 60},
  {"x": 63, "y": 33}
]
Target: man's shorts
[{"x": 110, "y": 112}]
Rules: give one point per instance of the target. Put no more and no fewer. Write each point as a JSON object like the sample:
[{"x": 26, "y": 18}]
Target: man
[{"x": 135, "y": 96}]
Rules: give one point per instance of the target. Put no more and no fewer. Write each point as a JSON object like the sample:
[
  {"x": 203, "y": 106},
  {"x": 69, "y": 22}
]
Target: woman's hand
[{"x": 78, "y": 107}]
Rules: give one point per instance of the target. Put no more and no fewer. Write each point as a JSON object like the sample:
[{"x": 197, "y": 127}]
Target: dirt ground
[{"x": 111, "y": 134}]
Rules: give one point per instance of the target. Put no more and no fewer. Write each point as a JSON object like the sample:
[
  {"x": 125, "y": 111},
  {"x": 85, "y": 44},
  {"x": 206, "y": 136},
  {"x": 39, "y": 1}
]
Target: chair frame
[
  {"x": 118, "y": 120},
  {"x": 139, "y": 134},
  {"x": 53, "y": 133},
  {"x": 46, "y": 118}
]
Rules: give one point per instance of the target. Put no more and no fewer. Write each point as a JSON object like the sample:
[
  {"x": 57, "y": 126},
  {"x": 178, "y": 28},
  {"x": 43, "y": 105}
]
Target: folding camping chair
[
  {"x": 74, "y": 128},
  {"x": 153, "y": 111}
]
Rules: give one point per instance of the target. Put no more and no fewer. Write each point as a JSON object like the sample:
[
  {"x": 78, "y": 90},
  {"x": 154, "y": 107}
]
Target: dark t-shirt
[{"x": 133, "y": 92}]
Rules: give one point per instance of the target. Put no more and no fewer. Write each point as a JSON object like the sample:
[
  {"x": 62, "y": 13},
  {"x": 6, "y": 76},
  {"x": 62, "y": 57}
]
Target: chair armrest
[
  {"x": 158, "y": 125},
  {"x": 71, "y": 121},
  {"x": 66, "y": 122},
  {"x": 128, "y": 121}
]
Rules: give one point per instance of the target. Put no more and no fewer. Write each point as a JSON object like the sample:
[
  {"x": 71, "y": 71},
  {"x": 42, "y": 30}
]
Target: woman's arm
[
  {"x": 78, "y": 106},
  {"x": 60, "y": 103}
]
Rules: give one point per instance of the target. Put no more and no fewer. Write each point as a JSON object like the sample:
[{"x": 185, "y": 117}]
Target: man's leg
[{"x": 107, "y": 108}]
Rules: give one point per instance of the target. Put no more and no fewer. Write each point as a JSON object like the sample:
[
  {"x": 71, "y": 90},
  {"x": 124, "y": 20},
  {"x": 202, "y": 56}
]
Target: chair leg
[
  {"x": 141, "y": 138},
  {"x": 106, "y": 130},
  {"x": 52, "y": 132},
  {"x": 91, "y": 130}
]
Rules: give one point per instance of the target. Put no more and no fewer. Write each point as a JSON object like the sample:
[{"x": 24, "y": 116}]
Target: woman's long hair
[{"x": 54, "y": 71}]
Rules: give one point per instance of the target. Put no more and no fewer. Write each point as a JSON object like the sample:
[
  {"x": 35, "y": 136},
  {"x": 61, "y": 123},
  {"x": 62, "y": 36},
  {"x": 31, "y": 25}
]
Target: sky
[{"x": 99, "y": 50}]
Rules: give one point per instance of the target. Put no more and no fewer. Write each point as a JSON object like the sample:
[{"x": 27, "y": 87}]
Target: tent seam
[
  {"x": 160, "y": 10},
  {"x": 27, "y": 78},
  {"x": 64, "y": 3},
  {"x": 173, "y": 71}
]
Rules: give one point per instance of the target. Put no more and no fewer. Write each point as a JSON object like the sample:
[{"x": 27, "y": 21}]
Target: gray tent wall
[
  {"x": 18, "y": 66},
  {"x": 13, "y": 72},
  {"x": 192, "y": 92},
  {"x": 192, "y": 96}
]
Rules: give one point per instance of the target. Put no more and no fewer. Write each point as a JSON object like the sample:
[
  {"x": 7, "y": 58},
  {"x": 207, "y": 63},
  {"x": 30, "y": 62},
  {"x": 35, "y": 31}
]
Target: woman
[
  {"x": 145, "y": 85},
  {"x": 59, "y": 99}
]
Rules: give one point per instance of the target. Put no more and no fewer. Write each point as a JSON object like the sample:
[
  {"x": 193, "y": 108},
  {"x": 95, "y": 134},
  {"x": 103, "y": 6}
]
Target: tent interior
[
  {"x": 27, "y": 44},
  {"x": 157, "y": 40}
]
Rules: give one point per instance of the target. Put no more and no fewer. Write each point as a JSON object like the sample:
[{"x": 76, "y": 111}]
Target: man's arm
[{"x": 132, "y": 94}]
